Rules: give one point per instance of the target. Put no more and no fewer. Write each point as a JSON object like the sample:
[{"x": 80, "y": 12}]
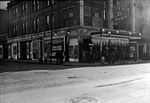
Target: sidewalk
[{"x": 123, "y": 62}]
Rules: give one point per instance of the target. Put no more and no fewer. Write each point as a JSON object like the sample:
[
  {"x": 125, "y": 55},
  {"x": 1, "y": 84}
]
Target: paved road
[{"x": 112, "y": 84}]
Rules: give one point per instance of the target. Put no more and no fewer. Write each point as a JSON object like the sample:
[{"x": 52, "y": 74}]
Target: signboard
[{"x": 121, "y": 13}]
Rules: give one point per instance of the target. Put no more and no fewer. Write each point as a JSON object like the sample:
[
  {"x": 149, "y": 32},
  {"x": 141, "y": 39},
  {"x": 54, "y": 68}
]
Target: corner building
[{"x": 38, "y": 27}]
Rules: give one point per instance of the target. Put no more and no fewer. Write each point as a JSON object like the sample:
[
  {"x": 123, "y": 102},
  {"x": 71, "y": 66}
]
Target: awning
[{"x": 112, "y": 40}]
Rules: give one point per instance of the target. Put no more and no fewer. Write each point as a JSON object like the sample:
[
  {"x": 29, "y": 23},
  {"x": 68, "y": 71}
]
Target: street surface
[{"x": 58, "y": 84}]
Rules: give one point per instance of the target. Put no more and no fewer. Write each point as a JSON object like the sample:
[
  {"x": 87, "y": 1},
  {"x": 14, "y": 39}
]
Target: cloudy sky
[{"x": 3, "y": 4}]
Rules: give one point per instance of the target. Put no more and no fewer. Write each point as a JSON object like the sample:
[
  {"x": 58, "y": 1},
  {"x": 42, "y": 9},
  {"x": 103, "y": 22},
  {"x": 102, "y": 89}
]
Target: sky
[{"x": 3, "y": 4}]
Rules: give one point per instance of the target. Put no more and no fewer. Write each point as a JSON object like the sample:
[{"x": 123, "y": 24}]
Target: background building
[
  {"x": 3, "y": 33},
  {"x": 142, "y": 25}
]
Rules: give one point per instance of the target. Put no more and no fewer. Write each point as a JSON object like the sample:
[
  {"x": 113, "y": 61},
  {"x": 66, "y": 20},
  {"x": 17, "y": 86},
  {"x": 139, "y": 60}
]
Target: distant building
[
  {"x": 142, "y": 25},
  {"x": 3, "y": 34},
  {"x": 38, "y": 27}
]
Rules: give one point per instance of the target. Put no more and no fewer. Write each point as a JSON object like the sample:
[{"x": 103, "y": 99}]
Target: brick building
[{"x": 39, "y": 28}]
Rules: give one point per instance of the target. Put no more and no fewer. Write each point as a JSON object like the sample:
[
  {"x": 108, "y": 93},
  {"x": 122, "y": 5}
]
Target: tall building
[{"x": 39, "y": 28}]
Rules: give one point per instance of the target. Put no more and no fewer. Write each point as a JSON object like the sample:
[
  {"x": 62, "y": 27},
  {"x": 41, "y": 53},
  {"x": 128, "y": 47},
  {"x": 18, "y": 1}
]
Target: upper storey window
[
  {"x": 36, "y": 5},
  {"x": 15, "y": 12},
  {"x": 50, "y": 2},
  {"x": 24, "y": 8}
]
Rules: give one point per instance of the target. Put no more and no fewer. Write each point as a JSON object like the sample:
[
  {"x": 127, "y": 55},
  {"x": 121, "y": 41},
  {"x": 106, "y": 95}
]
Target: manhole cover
[{"x": 84, "y": 99}]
